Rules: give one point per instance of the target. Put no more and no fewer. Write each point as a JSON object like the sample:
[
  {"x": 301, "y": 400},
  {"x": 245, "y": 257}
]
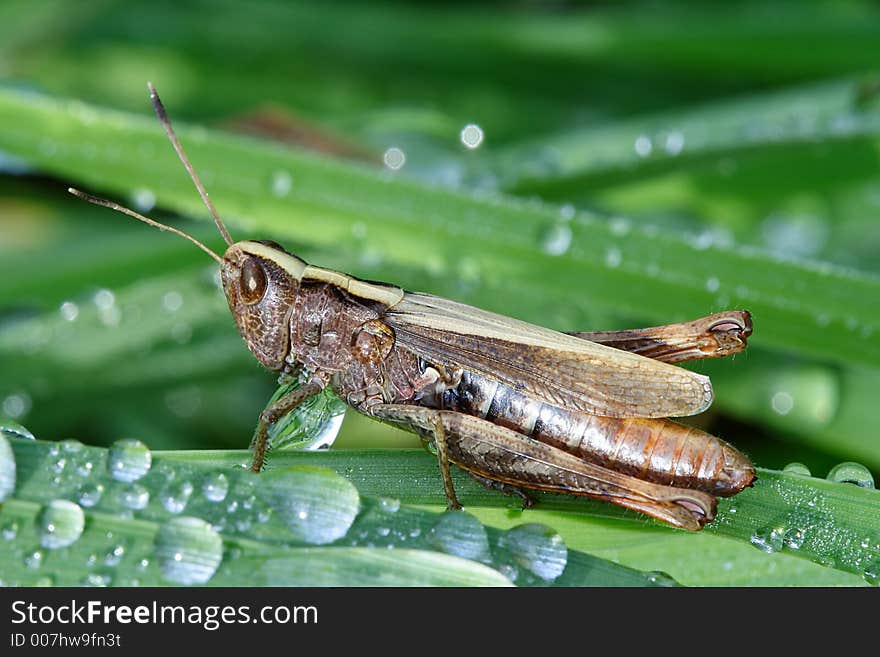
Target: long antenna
[
  {"x": 166, "y": 123},
  {"x": 131, "y": 213}
]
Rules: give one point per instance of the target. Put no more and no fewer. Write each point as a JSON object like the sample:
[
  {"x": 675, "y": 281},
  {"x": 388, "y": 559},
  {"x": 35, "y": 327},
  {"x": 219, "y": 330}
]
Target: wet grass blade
[
  {"x": 626, "y": 151},
  {"x": 784, "y": 520},
  {"x": 514, "y": 248},
  {"x": 145, "y": 520}
]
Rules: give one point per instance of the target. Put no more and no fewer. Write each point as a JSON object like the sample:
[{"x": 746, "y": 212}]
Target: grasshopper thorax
[{"x": 261, "y": 281}]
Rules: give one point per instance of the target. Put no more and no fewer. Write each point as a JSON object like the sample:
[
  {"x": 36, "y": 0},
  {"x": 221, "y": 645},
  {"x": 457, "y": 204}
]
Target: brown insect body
[
  {"x": 348, "y": 342},
  {"x": 516, "y": 405}
]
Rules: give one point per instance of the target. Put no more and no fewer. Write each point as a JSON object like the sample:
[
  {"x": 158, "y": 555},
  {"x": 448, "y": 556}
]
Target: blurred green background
[{"x": 580, "y": 165}]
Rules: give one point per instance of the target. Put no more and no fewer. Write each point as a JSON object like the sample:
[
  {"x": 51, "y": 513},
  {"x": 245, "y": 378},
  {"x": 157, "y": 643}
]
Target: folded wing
[{"x": 551, "y": 366}]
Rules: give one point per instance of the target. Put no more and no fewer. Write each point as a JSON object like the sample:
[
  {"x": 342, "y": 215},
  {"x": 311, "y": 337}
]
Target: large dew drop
[
  {"x": 536, "y": 548},
  {"x": 188, "y": 550},
  {"x": 556, "y": 240},
  {"x": 317, "y": 505},
  {"x": 796, "y": 468},
  {"x": 849, "y": 472},
  {"x": 12, "y": 429},
  {"x": 460, "y": 534},
  {"x": 60, "y": 524},
  {"x": 129, "y": 460},
  {"x": 768, "y": 539},
  {"x": 7, "y": 469}
]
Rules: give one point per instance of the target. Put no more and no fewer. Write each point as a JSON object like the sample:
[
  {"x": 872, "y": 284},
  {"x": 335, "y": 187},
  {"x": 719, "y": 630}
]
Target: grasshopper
[{"x": 516, "y": 405}]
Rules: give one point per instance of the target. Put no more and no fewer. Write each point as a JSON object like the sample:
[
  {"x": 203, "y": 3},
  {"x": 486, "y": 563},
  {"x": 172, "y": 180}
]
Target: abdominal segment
[{"x": 655, "y": 450}]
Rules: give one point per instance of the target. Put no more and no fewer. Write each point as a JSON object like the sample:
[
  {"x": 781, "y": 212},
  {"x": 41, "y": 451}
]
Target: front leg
[
  {"x": 275, "y": 411},
  {"x": 503, "y": 455}
]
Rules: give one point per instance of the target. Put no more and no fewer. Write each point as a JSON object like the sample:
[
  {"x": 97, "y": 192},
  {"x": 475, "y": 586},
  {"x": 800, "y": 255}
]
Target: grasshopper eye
[{"x": 253, "y": 281}]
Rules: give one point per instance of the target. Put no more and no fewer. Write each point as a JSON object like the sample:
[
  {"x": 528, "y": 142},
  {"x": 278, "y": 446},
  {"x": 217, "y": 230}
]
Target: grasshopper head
[{"x": 261, "y": 281}]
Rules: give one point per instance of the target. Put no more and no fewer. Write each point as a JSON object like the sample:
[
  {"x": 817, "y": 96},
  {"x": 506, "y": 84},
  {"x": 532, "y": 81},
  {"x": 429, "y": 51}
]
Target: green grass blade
[
  {"x": 512, "y": 248},
  {"x": 835, "y": 525},
  {"x": 626, "y": 151},
  {"x": 293, "y": 526}
]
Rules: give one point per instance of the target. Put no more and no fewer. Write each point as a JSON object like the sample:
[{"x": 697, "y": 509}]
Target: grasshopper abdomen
[{"x": 656, "y": 450}]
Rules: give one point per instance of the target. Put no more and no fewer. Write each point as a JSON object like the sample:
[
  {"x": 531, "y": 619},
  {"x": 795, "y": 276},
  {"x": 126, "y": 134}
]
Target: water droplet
[
  {"x": 60, "y": 524},
  {"x": 659, "y": 578},
  {"x": 58, "y": 465},
  {"x": 359, "y": 230},
  {"x": 872, "y": 572},
  {"x": 674, "y": 143},
  {"x": 129, "y": 460},
  {"x": 472, "y": 135},
  {"x": 144, "y": 200},
  {"x": 509, "y": 571},
  {"x": 536, "y": 548},
  {"x": 85, "y": 468},
  {"x": 712, "y": 284},
  {"x": 794, "y": 538},
  {"x": 318, "y": 506},
  {"x": 702, "y": 240},
  {"x": 460, "y": 534},
  {"x": 394, "y": 158},
  {"x": 184, "y": 401},
  {"x": 90, "y": 494},
  {"x": 104, "y": 299},
  {"x": 643, "y": 146},
  {"x": 69, "y": 311},
  {"x": 114, "y": 555},
  {"x": 9, "y": 530},
  {"x": 389, "y": 504},
  {"x": 215, "y": 486},
  {"x": 768, "y": 539},
  {"x": 7, "y": 468},
  {"x": 797, "y": 469},
  {"x": 12, "y": 429},
  {"x": 34, "y": 559},
  {"x": 782, "y": 402},
  {"x": 97, "y": 580},
  {"x": 16, "y": 405},
  {"x": 613, "y": 257},
  {"x": 175, "y": 496},
  {"x": 134, "y": 497},
  {"x": 172, "y": 301},
  {"x": 795, "y": 235},
  {"x": 851, "y": 473},
  {"x": 281, "y": 183},
  {"x": 619, "y": 226},
  {"x": 556, "y": 240},
  {"x": 108, "y": 312},
  {"x": 188, "y": 550}
]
